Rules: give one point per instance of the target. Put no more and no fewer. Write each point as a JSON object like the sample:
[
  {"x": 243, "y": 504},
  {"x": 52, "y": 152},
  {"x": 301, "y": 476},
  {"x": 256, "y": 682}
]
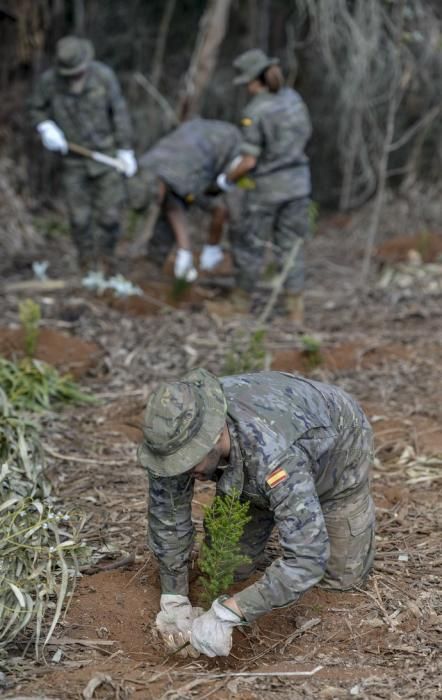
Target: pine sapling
[
  {"x": 224, "y": 522},
  {"x": 30, "y": 315}
]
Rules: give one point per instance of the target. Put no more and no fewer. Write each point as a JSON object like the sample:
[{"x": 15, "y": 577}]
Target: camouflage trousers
[
  {"x": 350, "y": 523},
  {"x": 262, "y": 224},
  {"x": 94, "y": 207}
]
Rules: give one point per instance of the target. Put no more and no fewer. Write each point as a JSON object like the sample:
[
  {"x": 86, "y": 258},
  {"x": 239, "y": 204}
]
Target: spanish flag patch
[
  {"x": 276, "y": 477},
  {"x": 246, "y": 121}
]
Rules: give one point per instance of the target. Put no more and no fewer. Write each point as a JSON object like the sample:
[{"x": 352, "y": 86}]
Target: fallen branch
[{"x": 119, "y": 564}]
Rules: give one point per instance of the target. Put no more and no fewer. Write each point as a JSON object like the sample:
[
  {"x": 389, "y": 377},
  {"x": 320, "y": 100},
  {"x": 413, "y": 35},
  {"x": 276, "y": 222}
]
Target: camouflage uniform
[
  {"x": 187, "y": 161},
  {"x": 301, "y": 453},
  {"x": 98, "y": 119},
  {"x": 276, "y": 127}
]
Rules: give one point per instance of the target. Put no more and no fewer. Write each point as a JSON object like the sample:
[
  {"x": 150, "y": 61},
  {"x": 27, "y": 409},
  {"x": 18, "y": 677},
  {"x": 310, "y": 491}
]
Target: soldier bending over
[{"x": 300, "y": 451}]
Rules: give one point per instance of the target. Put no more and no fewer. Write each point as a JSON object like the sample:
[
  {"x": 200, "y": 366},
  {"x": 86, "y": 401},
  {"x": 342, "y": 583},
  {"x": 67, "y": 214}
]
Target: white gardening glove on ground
[
  {"x": 129, "y": 162},
  {"x": 52, "y": 137},
  {"x": 174, "y": 622},
  {"x": 211, "y": 255},
  {"x": 211, "y": 633},
  {"x": 223, "y": 183},
  {"x": 184, "y": 267}
]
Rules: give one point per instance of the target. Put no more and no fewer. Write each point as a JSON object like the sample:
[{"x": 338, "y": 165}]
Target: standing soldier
[
  {"x": 80, "y": 101},
  {"x": 276, "y": 127},
  {"x": 177, "y": 173},
  {"x": 298, "y": 450}
]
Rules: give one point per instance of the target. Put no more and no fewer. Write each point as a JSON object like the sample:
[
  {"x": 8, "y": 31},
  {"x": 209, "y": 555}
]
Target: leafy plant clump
[
  {"x": 30, "y": 316},
  {"x": 249, "y": 356},
  {"x": 39, "y": 545},
  {"x": 220, "y": 556},
  {"x": 311, "y": 351},
  {"x": 39, "y": 550},
  {"x": 21, "y": 456},
  {"x": 32, "y": 385}
]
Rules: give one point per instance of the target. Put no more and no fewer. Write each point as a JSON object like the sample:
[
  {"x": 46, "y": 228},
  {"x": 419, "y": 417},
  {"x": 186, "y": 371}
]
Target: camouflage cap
[
  {"x": 73, "y": 55},
  {"x": 182, "y": 422},
  {"x": 250, "y": 64}
]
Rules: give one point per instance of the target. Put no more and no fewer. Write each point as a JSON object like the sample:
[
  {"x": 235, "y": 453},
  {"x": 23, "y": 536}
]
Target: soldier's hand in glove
[
  {"x": 184, "y": 267},
  {"x": 211, "y": 633},
  {"x": 128, "y": 161},
  {"x": 223, "y": 183},
  {"x": 174, "y": 622},
  {"x": 211, "y": 255},
  {"x": 52, "y": 137}
]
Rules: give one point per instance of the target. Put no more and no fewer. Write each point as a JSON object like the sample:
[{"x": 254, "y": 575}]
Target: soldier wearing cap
[
  {"x": 177, "y": 173},
  {"x": 276, "y": 127},
  {"x": 298, "y": 450},
  {"x": 80, "y": 101}
]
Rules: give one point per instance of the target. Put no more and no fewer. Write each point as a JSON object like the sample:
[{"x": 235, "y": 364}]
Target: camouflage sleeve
[
  {"x": 120, "y": 113},
  {"x": 253, "y": 137},
  {"x": 39, "y": 107},
  {"x": 170, "y": 529},
  {"x": 303, "y": 538}
]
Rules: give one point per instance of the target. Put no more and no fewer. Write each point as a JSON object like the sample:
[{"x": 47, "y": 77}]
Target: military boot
[{"x": 294, "y": 307}]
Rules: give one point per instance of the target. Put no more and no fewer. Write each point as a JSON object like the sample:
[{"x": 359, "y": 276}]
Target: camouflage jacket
[
  {"x": 190, "y": 157},
  {"x": 295, "y": 443},
  {"x": 276, "y": 128},
  {"x": 96, "y": 118}
]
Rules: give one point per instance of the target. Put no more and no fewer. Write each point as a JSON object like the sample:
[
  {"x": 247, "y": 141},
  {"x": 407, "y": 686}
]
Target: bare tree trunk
[
  {"x": 163, "y": 31},
  {"x": 264, "y": 25},
  {"x": 212, "y": 29},
  {"x": 394, "y": 102},
  {"x": 79, "y": 17}
]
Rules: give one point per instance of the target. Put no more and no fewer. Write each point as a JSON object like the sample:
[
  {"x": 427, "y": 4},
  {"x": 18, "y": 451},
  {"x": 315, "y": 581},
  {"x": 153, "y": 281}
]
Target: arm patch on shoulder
[
  {"x": 246, "y": 121},
  {"x": 276, "y": 477}
]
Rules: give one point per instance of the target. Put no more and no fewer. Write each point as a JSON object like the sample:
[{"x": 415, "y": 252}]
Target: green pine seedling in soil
[
  {"x": 248, "y": 359},
  {"x": 311, "y": 351},
  {"x": 220, "y": 556},
  {"x": 179, "y": 288},
  {"x": 30, "y": 316}
]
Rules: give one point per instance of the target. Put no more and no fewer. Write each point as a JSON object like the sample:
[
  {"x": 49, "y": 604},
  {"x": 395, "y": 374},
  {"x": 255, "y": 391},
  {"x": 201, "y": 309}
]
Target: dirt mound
[
  {"x": 158, "y": 296},
  {"x": 346, "y": 356},
  {"x": 66, "y": 352},
  {"x": 427, "y": 245}
]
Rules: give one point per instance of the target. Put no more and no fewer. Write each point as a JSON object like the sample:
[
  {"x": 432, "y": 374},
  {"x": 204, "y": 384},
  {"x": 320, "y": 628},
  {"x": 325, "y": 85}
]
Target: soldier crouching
[{"x": 298, "y": 450}]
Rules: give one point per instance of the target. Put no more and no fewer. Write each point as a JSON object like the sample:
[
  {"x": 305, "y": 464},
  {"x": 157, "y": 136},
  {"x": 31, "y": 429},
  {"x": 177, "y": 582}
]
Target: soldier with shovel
[{"x": 79, "y": 101}]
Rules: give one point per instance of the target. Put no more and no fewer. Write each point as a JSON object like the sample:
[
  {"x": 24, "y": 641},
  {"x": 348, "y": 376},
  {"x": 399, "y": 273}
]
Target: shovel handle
[{"x": 80, "y": 150}]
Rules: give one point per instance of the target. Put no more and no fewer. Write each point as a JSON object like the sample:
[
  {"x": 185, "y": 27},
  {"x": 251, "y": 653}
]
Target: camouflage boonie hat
[
  {"x": 182, "y": 422},
  {"x": 250, "y": 64},
  {"x": 73, "y": 55}
]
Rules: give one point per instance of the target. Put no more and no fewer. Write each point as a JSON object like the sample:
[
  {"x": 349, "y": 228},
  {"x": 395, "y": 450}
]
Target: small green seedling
[
  {"x": 30, "y": 316},
  {"x": 224, "y": 523},
  {"x": 249, "y": 357},
  {"x": 311, "y": 351},
  {"x": 179, "y": 288}
]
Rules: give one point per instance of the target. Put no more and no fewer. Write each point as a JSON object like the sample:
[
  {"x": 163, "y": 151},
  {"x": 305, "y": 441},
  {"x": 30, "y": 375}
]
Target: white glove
[
  {"x": 128, "y": 161},
  {"x": 210, "y": 256},
  {"x": 184, "y": 268},
  {"x": 211, "y": 633},
  {"x": 52, "y": 136},
  {"x": 174, "y": 622},
  {"x": 224, "y": 184}
]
